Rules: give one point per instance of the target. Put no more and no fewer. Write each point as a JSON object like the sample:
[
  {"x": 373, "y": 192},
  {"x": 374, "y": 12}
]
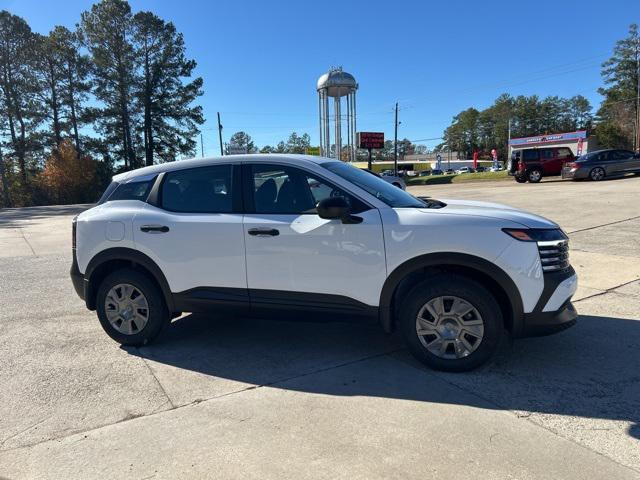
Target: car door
[
  {"x": 294, "y": 257},
  {"x": 627, "y": 160},
  {"x": 194, "y": 232}
]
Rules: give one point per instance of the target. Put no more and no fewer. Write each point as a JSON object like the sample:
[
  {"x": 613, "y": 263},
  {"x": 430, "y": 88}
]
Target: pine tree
[
  {"x": 620, "y": 110},
  {"x": 107, "y": 31},
  {"x": 18, "y": 87},
  {"x": 170, "y": 122}
]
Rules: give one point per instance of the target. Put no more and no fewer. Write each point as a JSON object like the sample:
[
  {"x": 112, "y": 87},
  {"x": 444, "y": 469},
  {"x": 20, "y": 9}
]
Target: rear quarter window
[{"x": 132, "y": 191}]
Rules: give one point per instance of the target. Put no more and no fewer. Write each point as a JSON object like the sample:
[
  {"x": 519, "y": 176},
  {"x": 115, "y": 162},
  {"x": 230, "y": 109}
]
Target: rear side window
[
  {"x": 132, "y": 191},
  {"x": 564, "y": 153},
  {"x": 198, "y": 190},
  {"x": 529, "y": 155}
]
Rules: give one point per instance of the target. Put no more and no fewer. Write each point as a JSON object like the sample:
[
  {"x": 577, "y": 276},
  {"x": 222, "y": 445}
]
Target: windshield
[{"x": 383, "y": 191}]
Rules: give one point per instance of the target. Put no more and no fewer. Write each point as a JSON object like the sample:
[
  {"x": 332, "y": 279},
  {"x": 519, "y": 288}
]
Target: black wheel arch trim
[
  {"x": 128, "y": 255},
  {"x": 444, "y": 259}
]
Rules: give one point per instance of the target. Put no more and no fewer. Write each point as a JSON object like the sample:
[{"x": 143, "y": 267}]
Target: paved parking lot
[{"x": 237, "y": 398}]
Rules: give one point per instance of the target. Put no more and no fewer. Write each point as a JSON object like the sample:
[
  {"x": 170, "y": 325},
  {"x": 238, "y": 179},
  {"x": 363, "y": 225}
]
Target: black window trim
[
  {"x": 106, "y": 196},
  {"x": 248, "y": 190},
  {"x": 155, "y": 195}
]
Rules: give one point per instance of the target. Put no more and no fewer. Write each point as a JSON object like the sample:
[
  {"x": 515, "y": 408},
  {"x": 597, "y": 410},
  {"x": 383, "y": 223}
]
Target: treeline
[
  {"x": 482, "y": 130},
  {"x": 116, "y": 90},
  {"x": 615, "y": 124}
]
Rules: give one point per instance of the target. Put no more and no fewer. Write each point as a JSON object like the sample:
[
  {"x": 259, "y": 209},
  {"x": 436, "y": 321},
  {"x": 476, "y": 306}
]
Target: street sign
[
  {"x": 370, "y": 140},
  {"x": 313, "y": 151}
]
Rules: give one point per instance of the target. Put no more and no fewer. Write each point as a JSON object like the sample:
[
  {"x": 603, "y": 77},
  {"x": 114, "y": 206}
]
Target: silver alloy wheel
[
  {"x": 449, "y": 327},
  {"x": 597, "y": 174},
  {"x": 535, "y": 175},
  {"x": 126, "y": 308}
]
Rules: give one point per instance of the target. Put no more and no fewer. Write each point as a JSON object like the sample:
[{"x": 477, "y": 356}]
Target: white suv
[{"x": 295, "y": 235}]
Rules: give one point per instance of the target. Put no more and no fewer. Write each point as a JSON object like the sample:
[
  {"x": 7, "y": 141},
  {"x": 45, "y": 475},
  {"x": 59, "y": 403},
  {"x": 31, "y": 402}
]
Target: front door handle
[
  {"x": 154, "y": 228},
  {"x": 264, "y": 232}
]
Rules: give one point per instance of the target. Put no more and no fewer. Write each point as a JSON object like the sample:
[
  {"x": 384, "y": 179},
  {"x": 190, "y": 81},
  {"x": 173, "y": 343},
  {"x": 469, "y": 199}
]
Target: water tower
[{"x": 337, "y": 84}]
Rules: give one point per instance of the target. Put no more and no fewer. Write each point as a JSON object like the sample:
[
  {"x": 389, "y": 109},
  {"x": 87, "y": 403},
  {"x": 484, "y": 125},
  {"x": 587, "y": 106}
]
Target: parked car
[
  {"x": 297, "y": 236},
  {"x": 481, "y": 169},
  {"x": 437, "y": 171},
  {"x": 449, "y": 171},
  {"x": 531, "y": 164},
  {"x": 498, "y": 168},
  {"x": 602, "y": 164},
  {"x": 425, "y": 173},
  {"x": 392, "y": 179},
  {"x": 465, "y": 170}
]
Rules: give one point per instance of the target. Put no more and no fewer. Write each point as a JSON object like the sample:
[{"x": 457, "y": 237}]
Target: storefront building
[{"x": 578, "y": 142}]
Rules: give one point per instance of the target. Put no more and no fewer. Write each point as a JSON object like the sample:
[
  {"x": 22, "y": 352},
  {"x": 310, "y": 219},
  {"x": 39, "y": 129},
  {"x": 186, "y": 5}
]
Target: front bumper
[
  {"x": 577, "y": 174},
  {"x": 554, "y": 311},
  {"x": 538, "y": 324}
]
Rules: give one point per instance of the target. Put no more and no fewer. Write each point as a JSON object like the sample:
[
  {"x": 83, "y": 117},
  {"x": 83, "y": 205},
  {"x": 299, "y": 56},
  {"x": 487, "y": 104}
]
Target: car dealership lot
[{"x": 223, "y": 397}]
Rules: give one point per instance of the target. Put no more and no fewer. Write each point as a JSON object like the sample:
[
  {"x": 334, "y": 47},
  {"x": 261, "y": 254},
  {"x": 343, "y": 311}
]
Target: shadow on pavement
[{"x": 590, "y": 371}]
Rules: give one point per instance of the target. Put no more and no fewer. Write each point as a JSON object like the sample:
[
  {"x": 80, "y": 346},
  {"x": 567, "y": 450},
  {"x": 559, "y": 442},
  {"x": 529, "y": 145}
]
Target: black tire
[
  {"x": 534, "y": 175},
  {"x": 470, "y": 291},
  {"x": 520, "y": 179},
  {"x": 596, "y": 174},
  {"x": 158, "y": 315}
]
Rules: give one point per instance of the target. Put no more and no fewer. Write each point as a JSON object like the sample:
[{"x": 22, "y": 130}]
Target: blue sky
[{"x": 260, "y": 59}]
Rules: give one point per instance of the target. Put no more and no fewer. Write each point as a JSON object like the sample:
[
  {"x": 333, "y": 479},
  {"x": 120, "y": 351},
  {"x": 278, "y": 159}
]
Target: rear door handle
[
  {"x": 264, "y": 232},
  {"x": 154, "y": 228}
]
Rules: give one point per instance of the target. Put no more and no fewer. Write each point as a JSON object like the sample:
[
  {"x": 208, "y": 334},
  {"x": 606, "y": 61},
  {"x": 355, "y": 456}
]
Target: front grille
[{"x": 554, "y": 255}]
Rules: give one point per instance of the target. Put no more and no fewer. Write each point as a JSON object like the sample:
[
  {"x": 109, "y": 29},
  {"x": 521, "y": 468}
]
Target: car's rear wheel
[
  {"x": 451, "y": 323},
  {"x": 596, "y": 174},
  {"x": 534, "y": 175},
  {"x": 130, "y": 307}
]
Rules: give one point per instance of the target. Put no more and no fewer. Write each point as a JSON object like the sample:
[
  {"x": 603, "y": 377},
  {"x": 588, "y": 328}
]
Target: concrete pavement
[{"x": 236, "y": 398}]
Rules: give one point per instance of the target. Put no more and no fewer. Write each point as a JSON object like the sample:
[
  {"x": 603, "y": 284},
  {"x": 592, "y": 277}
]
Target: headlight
[{"x": 536, "y": 234}]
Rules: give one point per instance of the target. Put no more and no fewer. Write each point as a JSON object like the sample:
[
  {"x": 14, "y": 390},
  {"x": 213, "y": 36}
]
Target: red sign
[
  {"x": 370, "y": 140},
  {"x": 475, "y": 160}
]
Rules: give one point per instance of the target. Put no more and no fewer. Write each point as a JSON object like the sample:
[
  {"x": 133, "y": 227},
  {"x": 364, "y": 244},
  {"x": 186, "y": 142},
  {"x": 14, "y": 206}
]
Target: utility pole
[
  {"x": 508, "y": 142},
  {"x": 220, "y": 134},
  {"x": 201, "y": 146},
  {"x": 395, "y": 145}
]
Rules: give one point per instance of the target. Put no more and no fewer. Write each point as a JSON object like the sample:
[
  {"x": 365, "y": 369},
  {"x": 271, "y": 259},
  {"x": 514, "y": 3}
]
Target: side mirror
[{"x": 336, "y": 208}]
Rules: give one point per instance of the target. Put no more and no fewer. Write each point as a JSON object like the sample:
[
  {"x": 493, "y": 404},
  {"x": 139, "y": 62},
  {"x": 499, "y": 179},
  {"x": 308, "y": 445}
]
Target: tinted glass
[
  {"x": 546, "y": 154},
  {"x": 285, "y": 190},
  {"x": 198, "y": 190},
  {"x": 530, "y": 155},
  {"x": 564, "y": 153},
  {"x": 132, "y": 191},
  {"x": 383, "y": 191}
]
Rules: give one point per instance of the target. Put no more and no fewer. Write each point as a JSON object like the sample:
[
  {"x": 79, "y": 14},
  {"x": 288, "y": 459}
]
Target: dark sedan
[{"x": 602, "y": 164}]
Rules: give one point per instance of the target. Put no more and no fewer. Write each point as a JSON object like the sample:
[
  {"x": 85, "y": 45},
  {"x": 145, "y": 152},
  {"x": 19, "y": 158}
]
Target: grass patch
[{"x": 459, "y": 178}]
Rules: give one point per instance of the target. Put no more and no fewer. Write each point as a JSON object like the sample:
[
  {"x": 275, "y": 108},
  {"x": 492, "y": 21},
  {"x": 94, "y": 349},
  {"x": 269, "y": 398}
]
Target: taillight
[
  {"x": 520, "y": 165},
  {"x": 74, "y": 228},
  {"x": 571, "y": 165}
]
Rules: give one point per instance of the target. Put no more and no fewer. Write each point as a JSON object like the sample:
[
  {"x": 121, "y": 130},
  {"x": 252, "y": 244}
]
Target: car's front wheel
[
  {"x": 130, "y": 307},
  {"x": 451, "y": 323},
  {"x": 596, "y": 174},
  {"x": 520, "y": 179}
]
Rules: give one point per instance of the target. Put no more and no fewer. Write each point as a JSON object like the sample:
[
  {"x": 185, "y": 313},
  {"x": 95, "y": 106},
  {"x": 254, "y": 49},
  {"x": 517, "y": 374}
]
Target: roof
[{"x": 203, "y": 162}]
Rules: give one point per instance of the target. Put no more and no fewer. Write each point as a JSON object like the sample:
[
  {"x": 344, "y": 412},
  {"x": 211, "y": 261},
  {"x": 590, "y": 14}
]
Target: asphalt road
[{"x": 236, "y": 398}]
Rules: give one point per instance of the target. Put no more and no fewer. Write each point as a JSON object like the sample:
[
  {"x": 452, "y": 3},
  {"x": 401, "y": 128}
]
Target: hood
[{"x": 495, "y": 211}]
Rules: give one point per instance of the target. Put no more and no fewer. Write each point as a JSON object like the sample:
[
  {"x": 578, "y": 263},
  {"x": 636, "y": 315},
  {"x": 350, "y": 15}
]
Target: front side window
[
  {"x": 383, "y": 191},
  {"x": 529, "y": 155},
  {"x": 198, "y": 190},
  {"x": 280, "y": 189}
]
